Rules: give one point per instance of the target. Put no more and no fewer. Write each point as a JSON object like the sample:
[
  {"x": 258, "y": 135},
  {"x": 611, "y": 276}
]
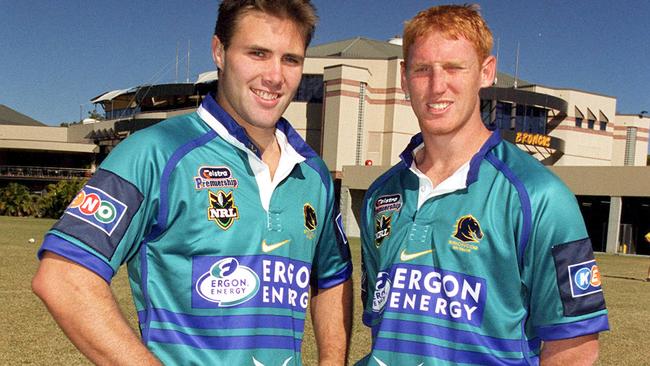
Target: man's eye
[
  {"x": 257, "y": 53},
  {"x": 292, "y": 60},
  {"x": 421, "y": 69},
  {"x": 454, "y": 67}
]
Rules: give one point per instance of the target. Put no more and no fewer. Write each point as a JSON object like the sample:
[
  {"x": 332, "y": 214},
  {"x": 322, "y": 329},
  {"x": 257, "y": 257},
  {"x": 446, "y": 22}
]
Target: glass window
[
  {"x": 590, "y": 123},
  {"x": 603, "y": 126},
  {"x": 486, "y": 106},
  {"x": 578, "y": 122},
  {"x": 531, "y": 119},
  {"x": 310, "y": 89}
]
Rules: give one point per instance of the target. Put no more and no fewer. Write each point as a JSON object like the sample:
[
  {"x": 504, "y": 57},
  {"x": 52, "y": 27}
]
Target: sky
[{"x": 55, "y": 56}]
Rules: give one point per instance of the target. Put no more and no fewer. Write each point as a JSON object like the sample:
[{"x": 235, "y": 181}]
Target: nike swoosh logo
[
  {"x": 266, "y": 248},
  {"x": 405, "y": 257}
]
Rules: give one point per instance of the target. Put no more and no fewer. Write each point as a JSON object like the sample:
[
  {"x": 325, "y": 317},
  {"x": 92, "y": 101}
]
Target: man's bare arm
[
  {"x": 83, "y": 305},
  {"x": 577, "y": 351},
  {"x": 331, "y": 312}
]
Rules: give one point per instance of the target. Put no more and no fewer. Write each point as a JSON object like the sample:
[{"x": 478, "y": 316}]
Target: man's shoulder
[
  {"x": 167, "y": 134},
  {"x": 522, "y": 169},
  {"x": 316, "y": 164},
  {"x": 157, "y": 143},
  {"x": 386, "y": 178},
  {"x": 177, "y": 128}
]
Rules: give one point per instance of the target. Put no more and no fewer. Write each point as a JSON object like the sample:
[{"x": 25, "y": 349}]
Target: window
[
  {"x": 310, "y": 89},
  {"x": 578, "y": 122},
  {"x": 590, "y": 124},
  {"x": 501, "y": 114},
  {"x": 603, "y": 126},
  {"x": 531, "y": 119}
]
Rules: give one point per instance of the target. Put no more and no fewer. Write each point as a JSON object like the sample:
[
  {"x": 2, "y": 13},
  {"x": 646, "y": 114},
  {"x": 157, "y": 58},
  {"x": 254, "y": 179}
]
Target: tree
[
  {"x": 58, "y": 197},
  {"x": 95, "y": 115},
  {"x": 16, "y": 200}
]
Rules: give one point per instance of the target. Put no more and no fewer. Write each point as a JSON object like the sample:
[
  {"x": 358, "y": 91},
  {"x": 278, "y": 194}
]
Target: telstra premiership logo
[{"x": 97, "y": 208}]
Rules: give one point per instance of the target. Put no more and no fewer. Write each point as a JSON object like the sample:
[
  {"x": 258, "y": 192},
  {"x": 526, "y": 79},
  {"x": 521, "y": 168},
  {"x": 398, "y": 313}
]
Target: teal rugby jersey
[
  {"x": 220, "y": 257},
  {"x": 494, "y": 260}
]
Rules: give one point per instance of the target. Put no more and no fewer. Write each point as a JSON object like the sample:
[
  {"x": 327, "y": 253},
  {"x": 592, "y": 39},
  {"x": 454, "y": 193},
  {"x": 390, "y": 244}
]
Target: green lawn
[{"x": 30, "y": 336}]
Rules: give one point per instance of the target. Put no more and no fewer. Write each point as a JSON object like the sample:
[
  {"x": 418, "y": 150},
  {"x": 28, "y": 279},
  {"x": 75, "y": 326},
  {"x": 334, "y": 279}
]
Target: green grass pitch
[{"x": 30, "y": 337}]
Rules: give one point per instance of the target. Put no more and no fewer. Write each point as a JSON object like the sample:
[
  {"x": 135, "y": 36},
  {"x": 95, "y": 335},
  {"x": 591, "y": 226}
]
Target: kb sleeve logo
[
  {"x": 585, "y": 278},
  {"x": 97, "y": 208}
]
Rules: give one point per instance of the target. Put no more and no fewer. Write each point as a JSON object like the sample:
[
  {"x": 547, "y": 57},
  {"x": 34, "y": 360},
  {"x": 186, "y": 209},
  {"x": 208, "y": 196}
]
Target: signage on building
[{"x": 534, "y": 139}]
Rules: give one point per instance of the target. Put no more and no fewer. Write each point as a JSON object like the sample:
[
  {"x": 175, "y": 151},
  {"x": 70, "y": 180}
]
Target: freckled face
[
  {"x": 443, "y": 77},
  {"x": 260, "y": 70}
]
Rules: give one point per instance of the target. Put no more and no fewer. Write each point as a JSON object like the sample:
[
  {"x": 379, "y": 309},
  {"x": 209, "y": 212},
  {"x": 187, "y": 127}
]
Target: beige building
[{"x": 350, "y": 108}]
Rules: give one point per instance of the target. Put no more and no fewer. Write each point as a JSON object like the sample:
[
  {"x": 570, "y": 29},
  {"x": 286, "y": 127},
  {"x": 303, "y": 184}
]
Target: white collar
[
  {"x": 288, "y": 158},
  {"x": 457, "y": 181}
]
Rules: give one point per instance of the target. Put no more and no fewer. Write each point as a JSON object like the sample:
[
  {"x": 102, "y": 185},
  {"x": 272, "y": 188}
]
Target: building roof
[
  {"x": 9, "y": 116},
  {"x": 358, "y": 47},
  {"x": 364, "y": 48},
  {"x": 508, "y": 81}
]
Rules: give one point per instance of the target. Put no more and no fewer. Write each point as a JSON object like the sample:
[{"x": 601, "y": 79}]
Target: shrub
[
  {"x": 58, "y": 197},
  {"x": 16, "y": 200}
]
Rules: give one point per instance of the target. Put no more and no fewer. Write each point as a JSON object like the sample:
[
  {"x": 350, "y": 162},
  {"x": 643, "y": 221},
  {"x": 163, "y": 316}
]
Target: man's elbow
[
  {"x": 577, "y": 351},
  {"x": 42, "y": 284},
  {"x": 54, "y": 279}
]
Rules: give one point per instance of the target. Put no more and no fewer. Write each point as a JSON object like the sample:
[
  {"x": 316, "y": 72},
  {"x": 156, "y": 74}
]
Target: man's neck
[
  {"x": 265, "y": 140},
  {"x": 442, "y": 155}
]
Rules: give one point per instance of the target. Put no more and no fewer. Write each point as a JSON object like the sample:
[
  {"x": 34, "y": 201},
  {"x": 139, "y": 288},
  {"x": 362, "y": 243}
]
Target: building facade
[{"x": 351, "y": 109}]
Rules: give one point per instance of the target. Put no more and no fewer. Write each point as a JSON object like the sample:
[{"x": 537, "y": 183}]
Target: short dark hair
[{"x": 302, "y": 12}]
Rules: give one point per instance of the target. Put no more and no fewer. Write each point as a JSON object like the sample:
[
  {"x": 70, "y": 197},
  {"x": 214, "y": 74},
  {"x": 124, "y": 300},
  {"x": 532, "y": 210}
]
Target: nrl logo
[
  {"x": 311, "y": 223},
  {"x": 382, "y": 229},
  {"x": 222, "y": 209}
]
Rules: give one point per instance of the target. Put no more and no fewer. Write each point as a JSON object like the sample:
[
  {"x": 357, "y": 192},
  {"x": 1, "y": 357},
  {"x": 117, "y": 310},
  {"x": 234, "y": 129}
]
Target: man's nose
[
  {"x": 272, "y": 74},
  {"x": 438, "y": 82}
]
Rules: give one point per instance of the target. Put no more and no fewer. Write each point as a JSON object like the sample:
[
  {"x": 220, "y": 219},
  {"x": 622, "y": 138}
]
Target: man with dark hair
[
  {"x": 473, "y": 252},
  {"x": 225, "y": 218}
]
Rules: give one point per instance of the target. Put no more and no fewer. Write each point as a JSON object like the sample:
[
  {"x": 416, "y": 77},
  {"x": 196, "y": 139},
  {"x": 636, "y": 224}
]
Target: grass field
[{"x": 30, "y": 337}]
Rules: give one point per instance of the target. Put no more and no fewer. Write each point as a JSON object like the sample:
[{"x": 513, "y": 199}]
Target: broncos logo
[
  {"x": 468, "y": 229},
  {"x": 310, "y": 217}
]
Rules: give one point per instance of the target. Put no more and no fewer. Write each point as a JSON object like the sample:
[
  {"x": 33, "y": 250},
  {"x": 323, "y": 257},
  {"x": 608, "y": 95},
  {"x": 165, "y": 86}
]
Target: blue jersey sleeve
[
  {"x": 369, "y": 263},
  {"x": 560, "y": 272},
  {"x": 332, "y": 263},
  {"x": 109, "y": 218}
]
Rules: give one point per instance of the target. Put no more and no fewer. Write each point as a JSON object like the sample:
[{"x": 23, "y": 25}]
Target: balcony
[{"x": 42, "y": 173}]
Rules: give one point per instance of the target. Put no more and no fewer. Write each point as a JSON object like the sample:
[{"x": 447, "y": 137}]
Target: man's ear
[
  {"x": 218, "y": 53},
  {"x": 488, "y": 71},
  {"x": 404, "y": 84}
]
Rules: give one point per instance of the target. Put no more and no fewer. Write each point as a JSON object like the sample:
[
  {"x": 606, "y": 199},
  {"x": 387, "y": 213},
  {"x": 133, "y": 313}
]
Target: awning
[
  {"x": 603, "y": 117},
  {"x": 207, "y": 77},
  {"x": 112, "y": 95},
  {"x": 591, "y": 115},
  {"x": 579, "y": 113},
  {"x": 71, "y": 147}
]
